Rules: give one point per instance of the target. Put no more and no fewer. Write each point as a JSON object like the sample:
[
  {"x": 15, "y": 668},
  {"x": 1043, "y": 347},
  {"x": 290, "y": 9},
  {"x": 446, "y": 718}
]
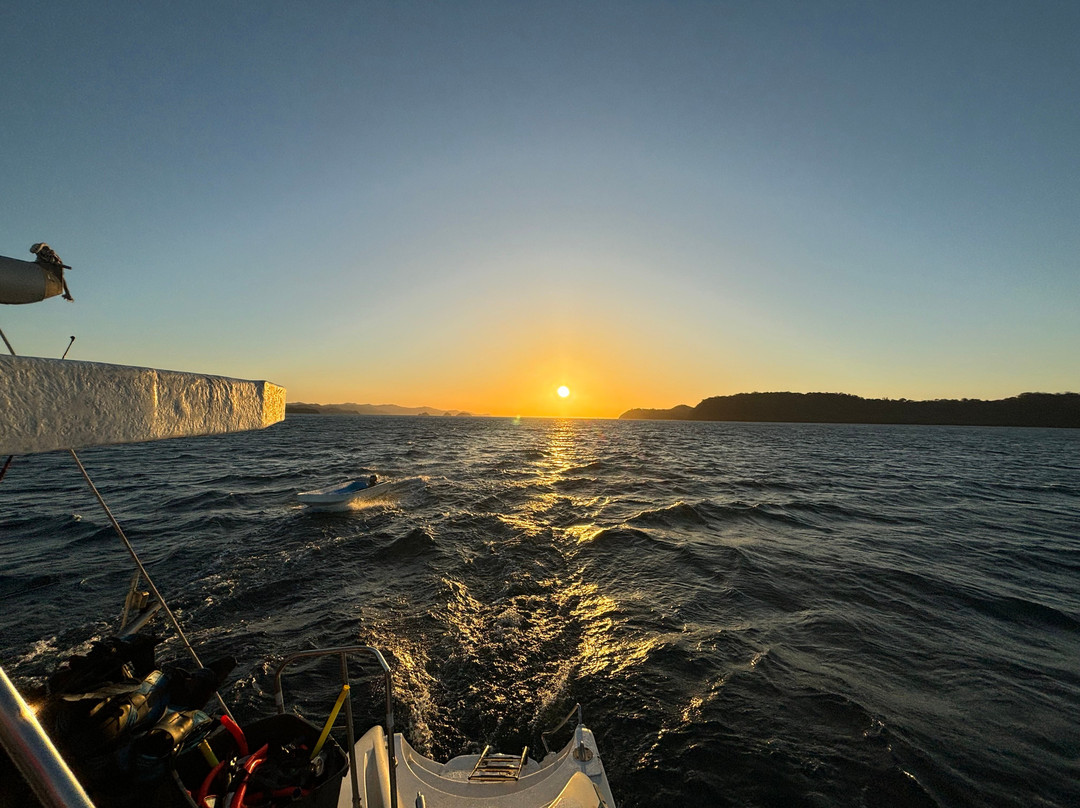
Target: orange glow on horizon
[
  {"x": 509, "y": 392},
  {"x": 519, "y": 374}
]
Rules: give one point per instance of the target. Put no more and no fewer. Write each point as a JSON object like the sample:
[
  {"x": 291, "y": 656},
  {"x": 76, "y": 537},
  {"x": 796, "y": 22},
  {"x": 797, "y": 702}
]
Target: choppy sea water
[{"x": 751, "y": 614}]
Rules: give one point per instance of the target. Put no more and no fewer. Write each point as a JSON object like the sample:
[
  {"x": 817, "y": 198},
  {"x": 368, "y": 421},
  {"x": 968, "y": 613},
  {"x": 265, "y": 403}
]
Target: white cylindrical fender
[{"x": 27, "y": 281}]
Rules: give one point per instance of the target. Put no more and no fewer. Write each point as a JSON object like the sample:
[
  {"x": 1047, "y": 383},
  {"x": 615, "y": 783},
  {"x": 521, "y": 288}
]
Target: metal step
[{"x": 494, "y": 767}]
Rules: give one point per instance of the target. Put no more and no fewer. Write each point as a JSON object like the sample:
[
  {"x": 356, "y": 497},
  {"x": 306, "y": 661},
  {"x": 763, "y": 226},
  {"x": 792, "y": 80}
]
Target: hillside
[
  {"x": 1026, "y": 409},
  {"x": 299, "y": 408}
]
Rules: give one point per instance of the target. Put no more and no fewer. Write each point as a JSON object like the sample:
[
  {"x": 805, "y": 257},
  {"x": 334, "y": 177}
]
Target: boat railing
[
  {"x": 575, "y": 710},
  {"x": 34, "y": 755},
  {"x": 343, "y": 654}
]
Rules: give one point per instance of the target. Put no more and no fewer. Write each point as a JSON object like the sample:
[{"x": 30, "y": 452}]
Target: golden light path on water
[
  {"x": 506, "y": 652},
  {"x": 604, "y": 644},
  {"x": 601, "y": 645}
]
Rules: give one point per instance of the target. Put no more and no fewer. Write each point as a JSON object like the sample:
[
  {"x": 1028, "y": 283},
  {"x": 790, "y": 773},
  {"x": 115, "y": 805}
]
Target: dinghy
[
  {"x": 342, "y": 494},
  {"x": 341, "y": 497}
]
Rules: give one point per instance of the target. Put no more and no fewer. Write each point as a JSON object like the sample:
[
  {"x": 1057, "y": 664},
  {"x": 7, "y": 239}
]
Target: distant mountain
[
  {"x": 365, "y": 409},
  {"x": 1026, "y": 409}
]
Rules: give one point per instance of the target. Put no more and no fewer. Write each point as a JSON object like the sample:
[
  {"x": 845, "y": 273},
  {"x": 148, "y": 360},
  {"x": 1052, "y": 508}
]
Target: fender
[{"x": 32, "y": 281}]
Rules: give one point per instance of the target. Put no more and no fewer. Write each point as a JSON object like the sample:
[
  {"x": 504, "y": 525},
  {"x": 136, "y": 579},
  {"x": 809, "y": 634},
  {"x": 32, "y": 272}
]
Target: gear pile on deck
[{"x": 140, "y": 733}]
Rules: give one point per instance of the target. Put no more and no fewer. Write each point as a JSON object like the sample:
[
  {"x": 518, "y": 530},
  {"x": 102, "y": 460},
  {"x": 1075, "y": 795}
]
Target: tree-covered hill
[{"x": 1026, "y": 409}]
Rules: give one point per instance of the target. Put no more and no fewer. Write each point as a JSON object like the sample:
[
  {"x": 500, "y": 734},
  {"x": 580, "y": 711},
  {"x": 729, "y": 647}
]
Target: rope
[
  {"x": 7, "y": 465},
  {"x": 146, "y": 575}
]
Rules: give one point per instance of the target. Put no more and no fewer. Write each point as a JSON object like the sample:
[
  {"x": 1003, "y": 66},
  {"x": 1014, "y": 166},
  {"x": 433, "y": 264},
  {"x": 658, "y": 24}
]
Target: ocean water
[{"x": 750, "y": 614}]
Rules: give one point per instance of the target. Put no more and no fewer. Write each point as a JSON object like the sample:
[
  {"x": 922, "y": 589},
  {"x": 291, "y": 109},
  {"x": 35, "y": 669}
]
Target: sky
[{"x": 466, "y": 205}]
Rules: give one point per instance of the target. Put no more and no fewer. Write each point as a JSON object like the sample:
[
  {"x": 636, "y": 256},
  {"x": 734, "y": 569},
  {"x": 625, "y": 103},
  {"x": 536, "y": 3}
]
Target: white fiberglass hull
[{"x": 574, "y": 777}]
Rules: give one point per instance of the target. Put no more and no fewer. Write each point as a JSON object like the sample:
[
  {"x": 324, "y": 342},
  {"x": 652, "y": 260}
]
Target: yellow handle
[
  {"x": 208, "y": 754},
  {"x": 330, "y": 722}
]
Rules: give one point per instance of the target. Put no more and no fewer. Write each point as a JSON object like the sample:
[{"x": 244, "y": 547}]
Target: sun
[{"x": 563, "y": 391}]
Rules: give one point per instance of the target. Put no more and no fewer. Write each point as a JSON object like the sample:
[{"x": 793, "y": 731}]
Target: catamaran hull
[{"x": 574, "y": 777}]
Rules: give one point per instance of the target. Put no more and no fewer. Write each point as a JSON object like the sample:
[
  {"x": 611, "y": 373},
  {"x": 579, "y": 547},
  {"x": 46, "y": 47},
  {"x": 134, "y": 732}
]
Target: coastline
[{"x": 1057, "y": 410}]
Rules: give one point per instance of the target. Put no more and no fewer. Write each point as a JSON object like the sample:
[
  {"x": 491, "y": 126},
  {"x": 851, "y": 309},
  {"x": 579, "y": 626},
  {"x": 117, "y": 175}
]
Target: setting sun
[{"x": 563, "y": 391}]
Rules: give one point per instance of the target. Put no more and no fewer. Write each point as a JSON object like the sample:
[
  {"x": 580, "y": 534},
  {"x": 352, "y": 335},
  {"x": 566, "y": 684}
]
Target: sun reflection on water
[{"x": 517, "y": 629}]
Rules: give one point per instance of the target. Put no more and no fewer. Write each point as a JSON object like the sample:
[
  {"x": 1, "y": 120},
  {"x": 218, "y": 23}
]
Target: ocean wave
[
  {"x": 750, "y": 614},
  {"x": 417, "y": 544},
  {"x": 1015, "y": 610}
]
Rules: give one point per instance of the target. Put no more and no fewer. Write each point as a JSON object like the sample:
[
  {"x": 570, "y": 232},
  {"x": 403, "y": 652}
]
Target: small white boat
[{"x": 342, "y": 494}]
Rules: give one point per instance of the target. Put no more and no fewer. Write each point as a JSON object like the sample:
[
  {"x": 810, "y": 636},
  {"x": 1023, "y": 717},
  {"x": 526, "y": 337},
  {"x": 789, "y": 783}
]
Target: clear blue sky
[{"x": 465, "y": 205}]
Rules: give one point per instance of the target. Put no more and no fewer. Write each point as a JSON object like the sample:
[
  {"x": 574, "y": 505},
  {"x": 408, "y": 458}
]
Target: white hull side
[
  {"x": 561, "y": 780},
  {"x": 49, "y": 404}
]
